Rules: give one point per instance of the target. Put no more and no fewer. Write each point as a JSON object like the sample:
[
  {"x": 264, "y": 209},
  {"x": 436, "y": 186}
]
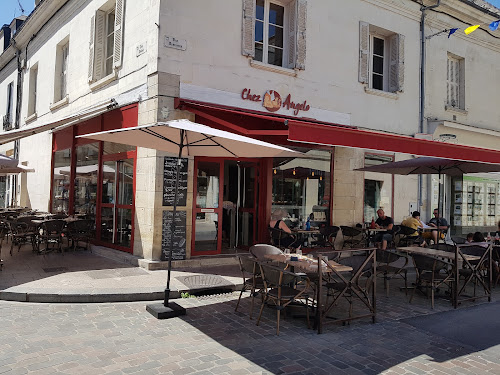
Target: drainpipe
[{"x": 423, "y": 9}]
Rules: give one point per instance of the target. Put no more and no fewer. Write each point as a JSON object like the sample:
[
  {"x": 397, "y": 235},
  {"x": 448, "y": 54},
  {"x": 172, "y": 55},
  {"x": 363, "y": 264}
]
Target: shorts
[
  {"x": 428, "y": 235},
  {"x": 383, "y": 237}
]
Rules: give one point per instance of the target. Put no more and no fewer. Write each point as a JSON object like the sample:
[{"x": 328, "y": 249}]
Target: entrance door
[
  {"x": 225, "y": 213},
  {"x": 117, "y": 203}
]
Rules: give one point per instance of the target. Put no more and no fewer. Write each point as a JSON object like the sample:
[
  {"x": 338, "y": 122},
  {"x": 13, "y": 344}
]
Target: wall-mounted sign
[
  {"x": 272, "y": 101},
  {"x": 172, "y": 42}
]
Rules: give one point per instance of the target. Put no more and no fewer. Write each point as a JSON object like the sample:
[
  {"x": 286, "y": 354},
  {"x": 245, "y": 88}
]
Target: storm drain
[
  {"x": 55, "y": 269},
  {"x": 201, "y": 285}
]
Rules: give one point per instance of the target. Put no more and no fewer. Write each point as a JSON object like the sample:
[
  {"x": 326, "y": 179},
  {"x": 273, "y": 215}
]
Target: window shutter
[
  {"x": 117, "y": 53},
  {"x": 364, "y": 42},
  {"x": 100, "y": 26},
  {"x": 393, "y": 62},
  {"x": 453, "y": 82},
  {"x": 91, "y": 49},
  {"x": 292, "y": 34},
  {"x": 248, "y": 29},
  {"x": 301, "y": 34},
  {"x": 401, "y": 63},
  {"x": 64, "y": 71}
]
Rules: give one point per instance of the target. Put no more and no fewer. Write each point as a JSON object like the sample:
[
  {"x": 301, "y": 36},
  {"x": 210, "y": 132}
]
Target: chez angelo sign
[{"x": 272, "y": 101}]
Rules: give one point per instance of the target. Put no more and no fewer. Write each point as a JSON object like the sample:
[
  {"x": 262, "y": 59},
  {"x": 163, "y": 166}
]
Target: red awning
[
  {"x": 350, "y": 137},
  {"x": 260, "y": 124}
]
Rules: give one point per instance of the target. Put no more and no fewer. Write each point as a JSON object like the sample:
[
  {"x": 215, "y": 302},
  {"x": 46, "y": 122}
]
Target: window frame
[
  {"x": 459, "y": 84},
  {"x": 10, "y": 99},
  {"x": 385, "y": 74},
  {"x": 265, "y": 34},
  {"x": 106, "y": 46},
  {"x": 33, "y": 88}
]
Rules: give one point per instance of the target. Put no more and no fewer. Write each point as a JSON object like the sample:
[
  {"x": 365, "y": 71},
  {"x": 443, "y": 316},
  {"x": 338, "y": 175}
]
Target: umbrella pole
[{"x": 170, "y": 310}]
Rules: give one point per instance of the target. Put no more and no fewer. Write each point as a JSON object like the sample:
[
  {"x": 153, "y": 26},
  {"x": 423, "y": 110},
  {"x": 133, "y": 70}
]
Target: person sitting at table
[
  {"x": 414, "y": 222},
  {"x": 478, "y": 237},
  {"x": 441, "y": 226},
  {"x": 278, "y": 223},
  {"x": 383, "y": 222},
  {"x": 469, "y": 238}
]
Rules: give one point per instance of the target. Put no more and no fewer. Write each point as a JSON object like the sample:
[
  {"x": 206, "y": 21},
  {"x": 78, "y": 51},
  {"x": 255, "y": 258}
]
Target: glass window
[
  {"x": 208, "y": 185},
  {"x": 109, "y": 148},
  {"x": 301, "y": 186},
  {"x": 108, "y": 182},
  {"x": 269, "y": 30},
  {"x": 61, "y": 181},
  {"x": 126, "y": 179},
  {"x": 87, "y": 167}
]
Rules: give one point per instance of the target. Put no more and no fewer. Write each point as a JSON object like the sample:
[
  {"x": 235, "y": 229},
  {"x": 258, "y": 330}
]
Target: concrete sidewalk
[{"x": 105, "y": 275}]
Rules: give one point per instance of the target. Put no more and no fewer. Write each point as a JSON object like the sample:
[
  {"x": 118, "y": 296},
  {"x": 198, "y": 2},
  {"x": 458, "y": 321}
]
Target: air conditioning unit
[{"x": 7, "y": 122}]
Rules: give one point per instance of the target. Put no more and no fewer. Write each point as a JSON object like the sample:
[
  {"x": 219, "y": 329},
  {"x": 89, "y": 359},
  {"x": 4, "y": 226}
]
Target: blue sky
[
  {"x": 495, "y": 3},
  {"x": 10, "y": 9}
]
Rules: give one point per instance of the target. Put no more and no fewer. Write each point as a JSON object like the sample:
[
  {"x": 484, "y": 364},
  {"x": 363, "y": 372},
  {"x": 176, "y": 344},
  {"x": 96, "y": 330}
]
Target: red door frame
[
  {"x": 257, "y": 163},
  {"x": 100, "y": 205}
]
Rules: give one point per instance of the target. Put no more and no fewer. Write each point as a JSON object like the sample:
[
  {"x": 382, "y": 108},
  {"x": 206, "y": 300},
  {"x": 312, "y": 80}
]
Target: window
[
  {"x": 61, "y": 76},
  {"x": 33, "y": 90},
  {"x": 381, "y": 58},
  {"x": 455, "y": 82},
  {"x": 7, "y": 121},
  {"x": 274, "y": 32},
  {"x": 106, "y": 40},
  {"x": 377, "y": 187}
]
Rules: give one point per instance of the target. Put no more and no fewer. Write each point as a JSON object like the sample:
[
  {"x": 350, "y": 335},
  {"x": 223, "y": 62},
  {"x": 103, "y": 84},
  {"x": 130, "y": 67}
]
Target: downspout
[{"x": 423, "y": 9}]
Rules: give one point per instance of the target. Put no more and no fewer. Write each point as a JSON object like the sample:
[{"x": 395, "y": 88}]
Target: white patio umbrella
[
  {"x": 10, "y": 165},
  {"x": 187, "y": 138}
]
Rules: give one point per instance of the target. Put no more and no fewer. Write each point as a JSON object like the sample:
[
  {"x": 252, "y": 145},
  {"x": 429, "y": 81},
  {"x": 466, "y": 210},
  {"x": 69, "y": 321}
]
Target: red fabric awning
[{"x": 358, "y": 138}]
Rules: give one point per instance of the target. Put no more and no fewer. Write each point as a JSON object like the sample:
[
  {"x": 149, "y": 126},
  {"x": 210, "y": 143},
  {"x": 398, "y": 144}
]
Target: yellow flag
[{"x": 471, "y": 29}]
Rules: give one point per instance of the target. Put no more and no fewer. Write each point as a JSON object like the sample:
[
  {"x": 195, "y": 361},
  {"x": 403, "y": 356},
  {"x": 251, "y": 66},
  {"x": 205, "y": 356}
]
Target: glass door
[
  {"x": 117, "y": 203},
  {"x": 207, "y": 207}
]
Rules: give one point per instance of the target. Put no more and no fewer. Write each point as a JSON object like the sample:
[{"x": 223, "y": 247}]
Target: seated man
[
  {"x": 441, "y": 226},
  {"x": 414, "y": 222},
  {"x": 384, "y": 222}
]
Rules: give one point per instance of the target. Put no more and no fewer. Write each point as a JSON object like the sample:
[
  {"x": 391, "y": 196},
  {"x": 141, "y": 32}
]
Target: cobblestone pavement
[{"x": 122, "y": 338}]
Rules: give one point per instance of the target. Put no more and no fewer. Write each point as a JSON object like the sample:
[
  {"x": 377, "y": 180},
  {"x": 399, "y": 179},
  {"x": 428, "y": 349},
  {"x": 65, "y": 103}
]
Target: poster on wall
[
  {"x": 178, "y": 238},
  {"x": 169, "y": 177}
]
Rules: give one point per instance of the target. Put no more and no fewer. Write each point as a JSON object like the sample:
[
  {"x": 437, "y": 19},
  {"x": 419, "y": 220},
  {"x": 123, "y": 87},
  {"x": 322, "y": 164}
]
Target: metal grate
[{"x": 202, "y": 281}]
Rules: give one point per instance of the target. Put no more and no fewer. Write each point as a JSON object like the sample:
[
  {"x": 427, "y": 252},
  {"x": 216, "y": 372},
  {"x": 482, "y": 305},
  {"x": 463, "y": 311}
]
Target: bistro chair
[
  {"x": 352, "y": 236},
  {"x": 51, "y": 233},
  {"x": 407, "y": 236},
  {"x": 281, "y": 239},
  {"x": 327, "y": 236},
  {"x": 261, "y": 251},
  {"x": 431, "y": 273},
  {"x": 21, "y": 233},
  {"x": 252, "y": 279},
  {"x": 388, "y": 269},
  {"x": 458, "y": 240},
  {"x": 80, "y": 230},
  {"x": 473, "y": 270},
  {"x": 443, "y": 246},
  {"x": 283, "y": 288}
]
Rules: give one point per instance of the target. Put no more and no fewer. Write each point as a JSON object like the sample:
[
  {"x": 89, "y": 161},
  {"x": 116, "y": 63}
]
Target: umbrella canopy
[
  {"x": 187, "y": 138},
  {"x": 15, "y": 170},
  {"x": 432, "y": 166},
  {"x": 6, "y": 162},
  {"x": 199, "y": 140}
]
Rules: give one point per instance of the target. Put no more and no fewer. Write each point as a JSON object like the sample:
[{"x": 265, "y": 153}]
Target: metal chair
[
  {"x": 386, "y": 268},
  {"x": 21, "y": 233},
  {"x": 430, "y": 275},
  {"x": 350, "y": 234},
  {"x": 80, "y": 230},
  {"x": 280, "y": 288},
  {"x": 260, "y": 251},
  {"x": 443, "y": 246},
  {"x": 281, "y": 239},
  {"x": 51, "y": 233},
  {"x": 458, "y": 240},
  {"x": 252, "y": 279},
  {"x": 327, "y": 236},
  {"x": 473, "y": 270},
  {"x": 407, "y": 236}
]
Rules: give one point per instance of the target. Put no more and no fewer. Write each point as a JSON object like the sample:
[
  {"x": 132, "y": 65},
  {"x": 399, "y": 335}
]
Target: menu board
[
  {"x": 169, "y": 176},
  {"x": 178, "y": 238}
]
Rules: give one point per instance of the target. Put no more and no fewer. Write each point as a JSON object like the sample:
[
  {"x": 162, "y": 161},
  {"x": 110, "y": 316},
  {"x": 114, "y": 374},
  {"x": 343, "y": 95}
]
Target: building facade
[{"x": 253, "y": 67}]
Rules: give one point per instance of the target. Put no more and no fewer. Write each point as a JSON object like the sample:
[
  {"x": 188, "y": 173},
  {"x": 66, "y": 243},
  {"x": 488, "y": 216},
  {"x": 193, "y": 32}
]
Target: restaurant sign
[{"x": 272, "y": 101}]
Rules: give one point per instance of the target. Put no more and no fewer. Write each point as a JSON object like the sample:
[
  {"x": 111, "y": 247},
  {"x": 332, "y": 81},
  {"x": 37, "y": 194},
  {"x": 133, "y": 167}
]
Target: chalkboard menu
[
  {"x": 178, "y": 238},
  {"x": 169, "y": 176}
]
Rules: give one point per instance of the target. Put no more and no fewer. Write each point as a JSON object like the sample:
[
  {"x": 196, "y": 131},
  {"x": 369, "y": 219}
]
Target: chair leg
[
  {"x": 261, "y": 309},
  {"x": 432, "y": 296},
  {"x": 252, "y": 301},
  {"x": 406, "y": 282},
  {"x": 278, "y": 314},
  {"x": 413, "y": 290},
  {"x": 239, "y": 299}
]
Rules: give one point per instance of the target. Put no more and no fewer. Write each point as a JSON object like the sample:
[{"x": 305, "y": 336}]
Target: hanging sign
[{"x": 272, "y": 101}]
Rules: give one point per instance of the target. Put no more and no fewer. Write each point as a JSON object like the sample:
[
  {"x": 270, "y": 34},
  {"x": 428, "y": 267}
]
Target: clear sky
[
  {"x": 10, "y": 9},
  {"x": 494, "y": 2}
]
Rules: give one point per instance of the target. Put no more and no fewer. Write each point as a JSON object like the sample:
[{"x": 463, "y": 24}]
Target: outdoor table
[
  {"x": 305, "y": 264},
  {"x": 370, "y": 234},
  {"x": 302, "y": 235},
  {"x": 457, "y": 257}
]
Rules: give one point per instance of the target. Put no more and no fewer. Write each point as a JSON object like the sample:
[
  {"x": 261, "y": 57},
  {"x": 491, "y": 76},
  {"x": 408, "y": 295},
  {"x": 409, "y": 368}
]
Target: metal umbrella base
[{"x": 160, "y": 311}]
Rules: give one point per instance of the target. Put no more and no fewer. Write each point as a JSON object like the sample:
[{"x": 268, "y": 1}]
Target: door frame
[{"x": 218, "y": 211}]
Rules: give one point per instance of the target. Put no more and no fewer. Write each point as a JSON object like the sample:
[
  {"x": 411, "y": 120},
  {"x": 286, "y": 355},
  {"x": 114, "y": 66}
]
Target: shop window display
[{"x": 61, "y": 181}]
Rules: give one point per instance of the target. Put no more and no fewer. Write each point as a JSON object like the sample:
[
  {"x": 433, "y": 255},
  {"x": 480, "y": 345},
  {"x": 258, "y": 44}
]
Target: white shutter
[
  {"x": 119, "y": 18},
  {"x": 292, "y": 34},
  {"x": 91, "y": 49},
  {"x": 364, "y": 45},
  {"x": 401, "y": 63},
  {"x": 100, "y": 29},
  {"x": 393, "y": 62},
  {"x": 396, "y": 62},
  {"x": 301, "y": 34},
  {"x": 453, "y": 82},
  {"x": 248, "y": 29},
  {"x": 64, "y": 71}
]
